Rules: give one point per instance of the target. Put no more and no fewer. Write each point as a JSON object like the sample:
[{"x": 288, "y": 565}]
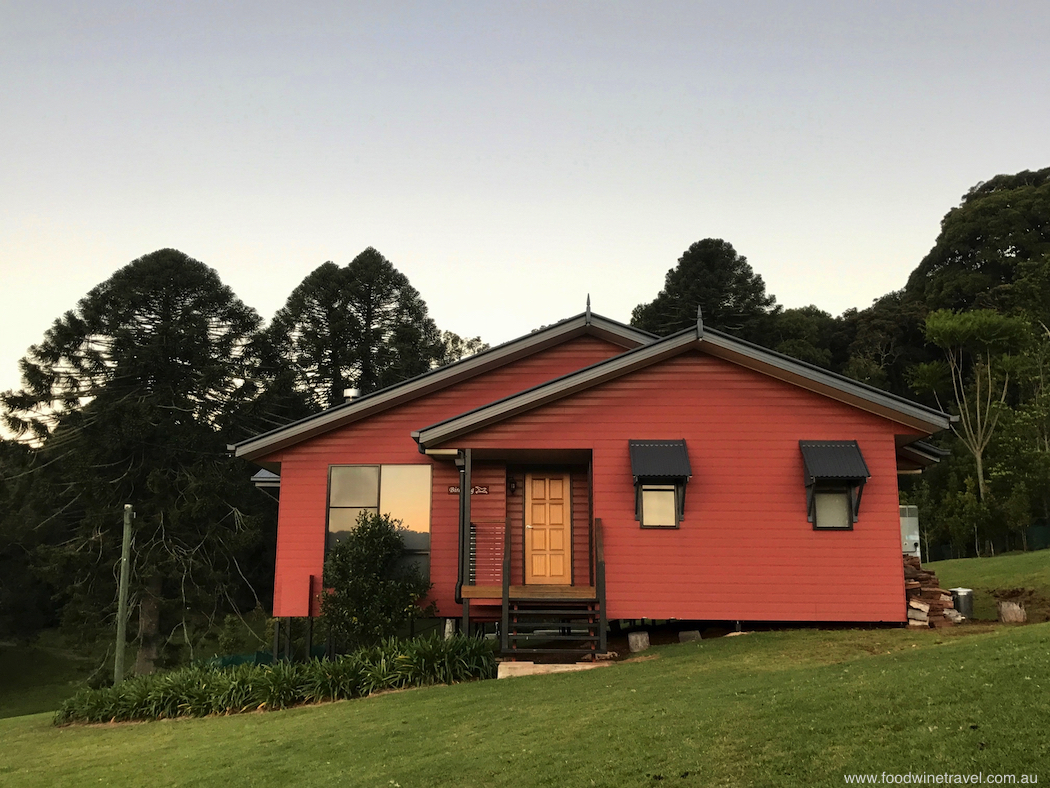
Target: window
[
  {"x": 834, "y": 473},
  {"x": 659, "y": 506},
  {"x": 661, "y": 470},
  {"x": 401, "y": 491},
  {"x": 832, "y": 508},
  {"x": 352, "y": 489}
]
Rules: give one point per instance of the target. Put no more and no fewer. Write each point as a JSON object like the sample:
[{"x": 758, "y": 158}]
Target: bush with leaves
[
  {"x": 373, "y": 588},
  {"x": 199, "y": 690}
]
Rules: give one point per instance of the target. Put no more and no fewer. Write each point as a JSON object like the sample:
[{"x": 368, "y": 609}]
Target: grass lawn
[
  {"x": 1000, "y": 573},
  {"x": 38, "y": 677},
  {"x": 765, "y": 709}
]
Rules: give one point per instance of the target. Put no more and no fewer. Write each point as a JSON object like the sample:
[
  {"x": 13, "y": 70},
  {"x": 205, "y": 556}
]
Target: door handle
[{"x": 528, "y": 526}]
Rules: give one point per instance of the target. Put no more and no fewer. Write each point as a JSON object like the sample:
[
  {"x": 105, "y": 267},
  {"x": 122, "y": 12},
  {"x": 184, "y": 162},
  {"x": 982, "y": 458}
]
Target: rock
[
  {"x": 638, "y": 641},
  {"x": 1012, "y": 613},
  {"x": 689, "y": 635}
]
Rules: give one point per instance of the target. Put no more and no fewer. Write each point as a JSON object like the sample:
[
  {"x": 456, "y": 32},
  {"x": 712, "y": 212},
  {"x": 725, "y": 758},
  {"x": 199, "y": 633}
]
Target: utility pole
[{"x": 122, "y": 603}]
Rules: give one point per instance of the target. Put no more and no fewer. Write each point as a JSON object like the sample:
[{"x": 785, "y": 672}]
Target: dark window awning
[
  {"x": 833, "y": 461},
  {"x": 659, "y": 460}
]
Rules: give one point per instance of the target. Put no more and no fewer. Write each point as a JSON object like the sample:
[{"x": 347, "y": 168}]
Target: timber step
[
  {"x": 566, "y": 627},
  {"x": 560, "y": 625},
  {"x": 554, "y": 612},
  {"x": 553, "y": 636},
  {"x": 579, "y": 652}
]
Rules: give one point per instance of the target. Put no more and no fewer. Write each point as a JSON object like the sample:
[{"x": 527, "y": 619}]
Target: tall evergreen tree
[
  {"x": 314, "y": 336},
  {"x": 710, "y": 275},
  {"x": 363, "y": 326},
  {"x": 130, "y": 399}
]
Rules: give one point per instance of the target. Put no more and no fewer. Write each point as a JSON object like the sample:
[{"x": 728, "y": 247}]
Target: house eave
[{"x": 750, "y": 356}]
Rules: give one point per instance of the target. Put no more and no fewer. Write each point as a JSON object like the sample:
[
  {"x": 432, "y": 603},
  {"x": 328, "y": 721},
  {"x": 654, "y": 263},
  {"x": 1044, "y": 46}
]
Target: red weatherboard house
[{"x": 614, "y": 475}]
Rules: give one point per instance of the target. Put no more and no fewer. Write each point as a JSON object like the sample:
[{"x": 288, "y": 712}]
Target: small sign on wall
[{"x": 453, "y": 489}]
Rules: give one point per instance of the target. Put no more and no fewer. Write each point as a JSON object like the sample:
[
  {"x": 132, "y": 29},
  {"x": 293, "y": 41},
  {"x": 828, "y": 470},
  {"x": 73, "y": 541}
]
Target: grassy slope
[
  {"x": 777, "y": 708},
  {"x": 39, "y": 677},
  {"x": 985, "y": 575}
]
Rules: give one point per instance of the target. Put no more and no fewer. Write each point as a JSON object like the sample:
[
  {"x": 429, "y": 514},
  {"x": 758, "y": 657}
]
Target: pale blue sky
[{"x": 508, "y": 157}]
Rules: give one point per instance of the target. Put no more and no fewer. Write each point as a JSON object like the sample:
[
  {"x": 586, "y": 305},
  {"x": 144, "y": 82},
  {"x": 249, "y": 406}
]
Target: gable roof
[
  {"x": 715, "y": 343},
  {"x": 585, "y": 324}
]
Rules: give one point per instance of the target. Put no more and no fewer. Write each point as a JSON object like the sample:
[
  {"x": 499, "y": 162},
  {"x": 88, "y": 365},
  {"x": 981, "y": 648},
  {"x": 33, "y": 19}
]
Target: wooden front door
[{"x": 548, "y": 530}]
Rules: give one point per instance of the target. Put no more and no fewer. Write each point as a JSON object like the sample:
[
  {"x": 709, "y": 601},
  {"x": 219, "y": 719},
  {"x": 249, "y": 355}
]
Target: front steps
[{"x": 556, "y": 629}]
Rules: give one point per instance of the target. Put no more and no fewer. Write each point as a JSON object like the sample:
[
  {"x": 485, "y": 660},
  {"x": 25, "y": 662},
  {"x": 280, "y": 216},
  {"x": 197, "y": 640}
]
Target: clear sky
[{"x": 509, "y": 158}]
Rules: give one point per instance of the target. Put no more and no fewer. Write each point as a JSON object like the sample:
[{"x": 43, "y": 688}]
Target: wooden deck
[{"x": 530, "y": 592}]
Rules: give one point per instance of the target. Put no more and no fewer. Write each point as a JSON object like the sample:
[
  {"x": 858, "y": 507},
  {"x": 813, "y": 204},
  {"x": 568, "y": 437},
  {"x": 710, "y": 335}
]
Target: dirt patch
[
  {"x": 1036, "y": 605},
  {"x": 641, "y": 658}
]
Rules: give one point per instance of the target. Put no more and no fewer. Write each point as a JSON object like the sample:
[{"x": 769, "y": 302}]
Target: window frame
[
  {"x": 678, "y": 486},
  {"x": 410, "y": 552},
  {"x": 328, "y": 542},
  {"x": 837, "y": 488}
]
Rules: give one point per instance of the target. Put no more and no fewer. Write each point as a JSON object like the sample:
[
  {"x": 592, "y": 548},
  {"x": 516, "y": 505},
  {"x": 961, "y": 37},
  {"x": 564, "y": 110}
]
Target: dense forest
[{"x": 134, "y": 395}]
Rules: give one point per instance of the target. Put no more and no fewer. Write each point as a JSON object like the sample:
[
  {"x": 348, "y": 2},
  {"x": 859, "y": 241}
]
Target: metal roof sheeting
[
  {"x": 659, "y": 459},
  {"x": 840, "y": 460}
]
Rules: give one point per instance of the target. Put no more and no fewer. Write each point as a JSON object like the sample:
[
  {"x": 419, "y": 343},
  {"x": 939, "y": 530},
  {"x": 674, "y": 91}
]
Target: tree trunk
[
  {"x": 149, "y": 628},
  {"x": 978, "y": 457}
]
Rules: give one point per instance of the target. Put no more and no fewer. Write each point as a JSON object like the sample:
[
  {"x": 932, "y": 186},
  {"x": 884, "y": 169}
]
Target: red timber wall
[
  {"x": 745, "y": 550},
  {"x": 386, "y": 439}
]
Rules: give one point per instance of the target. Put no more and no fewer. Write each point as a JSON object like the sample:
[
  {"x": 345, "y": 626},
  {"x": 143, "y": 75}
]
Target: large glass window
[
  {"x": 404, "y": 494},
  {"x": 401, "y": 491}
]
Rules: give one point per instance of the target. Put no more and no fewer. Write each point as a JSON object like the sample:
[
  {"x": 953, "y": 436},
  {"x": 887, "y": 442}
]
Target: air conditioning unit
[{"x": 910, "y": 531}]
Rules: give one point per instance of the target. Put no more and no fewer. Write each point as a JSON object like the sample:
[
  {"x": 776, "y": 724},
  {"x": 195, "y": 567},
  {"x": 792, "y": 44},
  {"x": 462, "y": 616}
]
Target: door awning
[
  {"x": 654, "y": 459},
  {"x": 833, "y": 461}
]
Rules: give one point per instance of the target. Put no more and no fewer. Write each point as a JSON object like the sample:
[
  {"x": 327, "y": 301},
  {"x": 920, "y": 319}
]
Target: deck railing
[{"x": 487, "y": 553}]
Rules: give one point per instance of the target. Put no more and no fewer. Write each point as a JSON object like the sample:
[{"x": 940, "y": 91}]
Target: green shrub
[
  {"x": 281, "y": 685},
  {"x": 240, "y": 692},
  {"x": 202, "y": 690},
  {"x": 374, "y": 590}
]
